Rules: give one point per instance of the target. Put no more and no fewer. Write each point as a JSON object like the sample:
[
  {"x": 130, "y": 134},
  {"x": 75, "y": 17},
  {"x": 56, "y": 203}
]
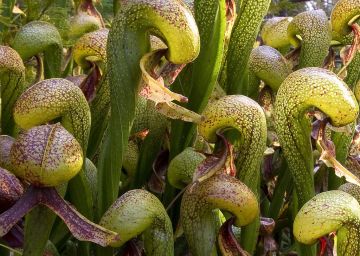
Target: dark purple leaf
[
  {"x": 157, "y": 180},
  {"x": 90, "y": 84},
  {"x": 267, "y": 226},
  {"x": 133, "y": 248}
]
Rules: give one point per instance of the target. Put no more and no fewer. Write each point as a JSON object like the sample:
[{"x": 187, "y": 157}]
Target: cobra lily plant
[{"x": 178, "y": 127}]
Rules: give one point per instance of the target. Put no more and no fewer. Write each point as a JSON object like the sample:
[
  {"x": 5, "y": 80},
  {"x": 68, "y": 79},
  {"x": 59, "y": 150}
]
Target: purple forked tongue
[
  {"x": 81, "y": 228},
  {"x": 227, "y": 240}
]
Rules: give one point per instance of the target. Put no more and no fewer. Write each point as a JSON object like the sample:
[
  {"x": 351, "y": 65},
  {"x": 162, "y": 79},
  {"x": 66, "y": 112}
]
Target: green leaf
[
  {"x": 242, "y": 39},
  {"x": 203, "y": 72}
]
